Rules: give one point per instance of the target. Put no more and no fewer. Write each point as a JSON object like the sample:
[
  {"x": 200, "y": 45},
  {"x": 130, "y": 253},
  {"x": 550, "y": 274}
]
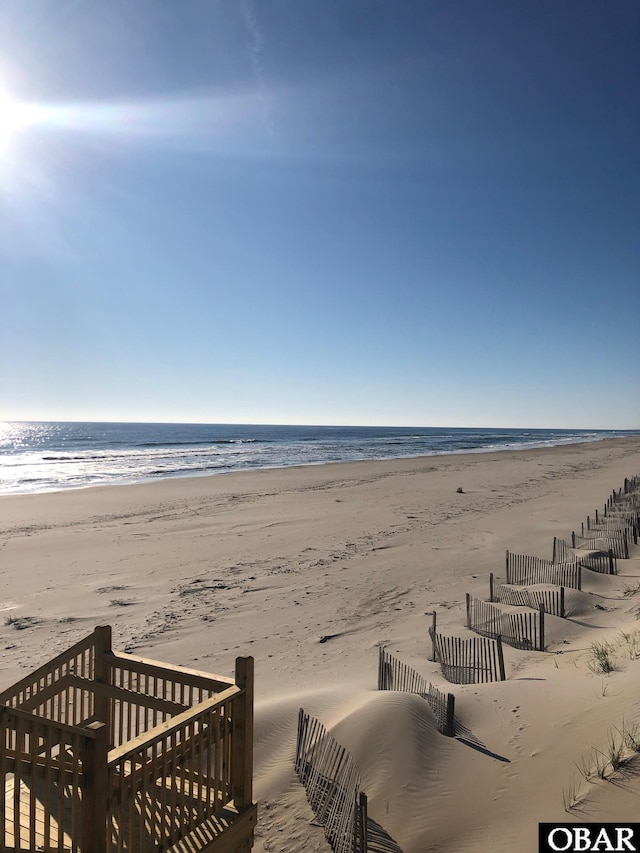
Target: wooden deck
[
  {"x": 226, "y": 831},
  {"x": 103, "y": 751}
]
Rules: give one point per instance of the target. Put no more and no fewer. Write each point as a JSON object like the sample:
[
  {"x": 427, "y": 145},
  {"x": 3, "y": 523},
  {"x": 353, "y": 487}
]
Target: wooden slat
[
  {"x": 42, "y": 696},
  {"x": 12, "y": 715},
  {"x": 46, "y": 669},
  {"x": 468, "y": 661},
  {"x": 134, "y": 698},
  {"x": 163, "y": 729},
  {"x": 331, "y": 781},
  {"x": 182, "y": 675},
  {"x": 229, "y": 830},
  {"x": 517, "y": 629}
]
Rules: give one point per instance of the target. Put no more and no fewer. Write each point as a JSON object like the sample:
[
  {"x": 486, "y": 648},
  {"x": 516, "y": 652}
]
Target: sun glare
[{"x": 13, "y": 116}]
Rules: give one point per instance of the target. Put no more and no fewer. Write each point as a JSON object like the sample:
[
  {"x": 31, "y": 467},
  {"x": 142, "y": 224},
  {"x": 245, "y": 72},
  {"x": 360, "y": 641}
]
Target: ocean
[{"x": 44, "y": 457}]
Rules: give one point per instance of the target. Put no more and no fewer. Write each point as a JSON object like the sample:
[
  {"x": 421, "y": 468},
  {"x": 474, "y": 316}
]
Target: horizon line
[{"x": 313, "y": 425}]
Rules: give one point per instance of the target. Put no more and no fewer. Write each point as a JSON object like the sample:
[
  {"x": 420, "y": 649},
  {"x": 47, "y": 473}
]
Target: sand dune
[{"x": 310, "y": 570}]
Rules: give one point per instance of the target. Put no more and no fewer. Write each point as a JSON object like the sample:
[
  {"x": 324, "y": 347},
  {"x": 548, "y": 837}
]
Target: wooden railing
[
  {"x": 48, "y": 692},
  {"x": 54, "y": 783},
  {"x": 181, "y": 770},
  {"x": 141, "y": 694},
  {"x": 125, "y": 751}
]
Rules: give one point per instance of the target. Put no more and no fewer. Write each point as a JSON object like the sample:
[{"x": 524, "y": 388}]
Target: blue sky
[{"x": 355, "y": 212}]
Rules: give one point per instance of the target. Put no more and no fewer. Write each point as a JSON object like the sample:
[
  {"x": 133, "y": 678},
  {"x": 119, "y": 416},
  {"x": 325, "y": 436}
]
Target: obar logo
[{"x": 587, "y": 837}]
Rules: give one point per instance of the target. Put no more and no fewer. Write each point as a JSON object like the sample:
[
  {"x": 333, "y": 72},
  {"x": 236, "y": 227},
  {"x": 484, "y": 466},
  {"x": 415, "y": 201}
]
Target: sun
[{"x": 14, "y": 115}]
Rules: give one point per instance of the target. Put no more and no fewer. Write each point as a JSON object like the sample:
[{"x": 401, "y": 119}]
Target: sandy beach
[{"x": 310, "y": 570}]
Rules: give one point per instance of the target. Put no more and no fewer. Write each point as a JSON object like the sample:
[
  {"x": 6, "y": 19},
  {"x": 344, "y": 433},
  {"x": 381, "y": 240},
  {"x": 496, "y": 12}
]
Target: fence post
[
  {"x": 299, "y": 739},
  {"x": 562, "y": 611},
  {"x": 381, "y": 668},
  {"x": 579, "y": 575},
  {"x": 96, "y": 789},
  {"x": 573, "y": 539},
  {"x": 611, "y": 566},
  {"x": 361, "y": 823},
  {"x": 468, "y": 610},
  {"x": 625, "y": 540},
  {"x": 242, "y": 743},
  {"x": 490, "y": 586},
  {"x": 102, "y": 648},
  {"x": 553, "y": 555},
  {"x": 542, "y": 627},
  {"x": 432, "y": 634},
  {"x": 506, "y": 565},
  {"x": 450, "y": 725},
  {"x": 500, "y": 658}
]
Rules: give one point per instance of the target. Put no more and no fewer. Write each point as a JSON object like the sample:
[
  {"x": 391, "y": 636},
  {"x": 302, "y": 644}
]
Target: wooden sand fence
[
  {"x": 625, "y": 503},
  {"x": 626, "y": 493},
  {"x": 631, "y": 484},
  {"x": 552, "y": 600},
  {"x": 332, "y": 784},
  {"x": 393, "y": 674},
  {"x": 560, "y": 552},
  {"x": 607, "y": 535},
  {"x": 620, "y": 519},
  {"x": 476, "y": 660},
  {"x": 624, "y": 499},
  {"x": 598, "y": 561},
  {"x": 621, "y": 514},
  {"x": 520, "y": 630},
  {"x": 524, "y": 570},
  {"x": 616, "y": 541}
]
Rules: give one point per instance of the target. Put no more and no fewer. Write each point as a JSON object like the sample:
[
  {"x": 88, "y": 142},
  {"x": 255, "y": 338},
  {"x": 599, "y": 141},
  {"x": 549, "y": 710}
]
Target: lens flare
[{"x": 14, "y": 116}]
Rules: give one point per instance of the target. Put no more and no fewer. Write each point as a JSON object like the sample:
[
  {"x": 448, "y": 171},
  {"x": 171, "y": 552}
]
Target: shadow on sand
[
  {"x": 379, "y": 840},
  {"x": 467, "y": 737}
]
